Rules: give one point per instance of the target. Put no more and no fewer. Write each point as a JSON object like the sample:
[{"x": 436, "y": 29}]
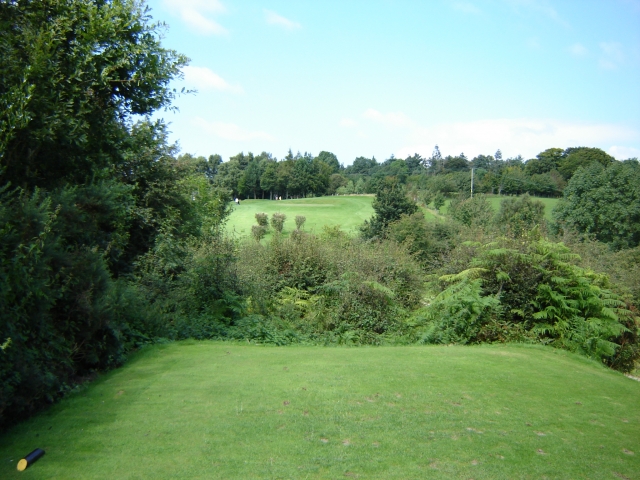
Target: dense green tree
[
  {"x": 331, "y": 160},
  {"x": 228, "y": 177},
  {"x": 249, "y": 183},
  {"x": 415, "y": 163},
  {"x": 390, "y": 204},
  {"x": 285, "y": 174},
  {"x": 544, "y": 161},
  {"x": 269, "y": 178},
  {"x": 362, "y": 165},
  {"x": 93, "y": 188},
  {"x": 73, "y": 73},
  {"x": 301, "y": 181},
  {"x": 483, "y": 161},
  {"x": 577, "y": 157},
  {"x": 335, "y": 182},
  {"x": 604, "y": 202},
  {"x": 456, "y": 164}
]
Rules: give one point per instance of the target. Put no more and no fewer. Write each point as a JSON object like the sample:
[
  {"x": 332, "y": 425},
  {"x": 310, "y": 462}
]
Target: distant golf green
[
  {"x": 214, "y": 410},
  {"x": 347, "y": 211}
]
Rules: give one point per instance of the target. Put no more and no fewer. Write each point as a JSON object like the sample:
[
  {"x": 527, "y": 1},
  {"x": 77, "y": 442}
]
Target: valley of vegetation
[{"x": 111, "y": 241}]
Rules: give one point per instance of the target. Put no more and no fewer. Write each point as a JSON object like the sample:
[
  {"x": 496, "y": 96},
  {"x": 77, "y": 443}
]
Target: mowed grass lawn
[
  {"x": 347, "y": 211},
  {"x": 214, "y": 410}
]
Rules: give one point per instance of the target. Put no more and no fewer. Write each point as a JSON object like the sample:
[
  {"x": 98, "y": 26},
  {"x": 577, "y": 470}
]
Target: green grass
[
  {"x": 214, "y": 410},
  {"x": 347, "y": 211}
]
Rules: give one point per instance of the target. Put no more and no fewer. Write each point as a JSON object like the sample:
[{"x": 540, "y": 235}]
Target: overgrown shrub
[
  {"x": 258, "y": 232},
  {"x": 543, "y": 295},
  {"x": 331, "y": 288},
  {"x": 471, "y": 212},
  {"x": 300, "y": 219},
  {"x": 277, "y": 221},
  {"x": 427, "y": 241},
  {"x": 192, "y": 285},
  {"x": 519, "y": 215},
  {"x": 262, "y": 219}
]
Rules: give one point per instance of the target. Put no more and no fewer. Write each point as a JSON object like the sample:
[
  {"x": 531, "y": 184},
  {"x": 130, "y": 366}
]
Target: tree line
[{"x": 300, "y": 175}]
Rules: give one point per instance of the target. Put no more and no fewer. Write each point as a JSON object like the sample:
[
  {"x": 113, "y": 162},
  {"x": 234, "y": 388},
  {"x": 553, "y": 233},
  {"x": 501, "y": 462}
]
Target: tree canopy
[{"x": 604, "y": 202}]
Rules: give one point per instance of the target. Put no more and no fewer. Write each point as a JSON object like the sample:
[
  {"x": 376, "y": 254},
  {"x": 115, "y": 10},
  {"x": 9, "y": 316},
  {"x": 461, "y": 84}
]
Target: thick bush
[
  {"x": 519, "y": 215},
  {"x": 262, "y": 219},
  {"x": 543, "y": 295},
  {"x": 65, "y": 315},
  {"x": 277, "y": 221},
  {"x": 331, "y": 288}
]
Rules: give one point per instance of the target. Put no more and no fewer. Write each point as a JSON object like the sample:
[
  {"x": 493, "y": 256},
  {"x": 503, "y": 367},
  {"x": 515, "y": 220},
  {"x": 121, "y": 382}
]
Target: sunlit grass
[
  {"x": 214, "y": 410},
  {"x": 347, "y": 211}
]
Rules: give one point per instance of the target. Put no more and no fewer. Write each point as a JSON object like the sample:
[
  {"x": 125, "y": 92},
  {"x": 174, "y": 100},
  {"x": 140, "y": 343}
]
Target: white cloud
[
  {"x": 348, "y": 123},
  {"x": 466, "y": 7},
  {"x": 230, "y": 131},
  {"x": 396, "y": 119},
  {"x": 193, "y": 13},
  {"x": 273, "y": 18},
  {"x": 204, "y": 79},
  {"x": 523, "y": 136},
  {"x": 622, "y": 153},
  {"x": 578, "y": 50},
  {"x": 612, "y": 55}
]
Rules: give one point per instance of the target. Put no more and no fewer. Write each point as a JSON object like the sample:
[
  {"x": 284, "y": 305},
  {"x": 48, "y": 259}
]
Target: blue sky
[{"x": 379, "y": 77}]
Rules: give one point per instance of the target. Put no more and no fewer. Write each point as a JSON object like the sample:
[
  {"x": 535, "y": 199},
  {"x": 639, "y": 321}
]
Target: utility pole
[{"x": 472, "y": 183}]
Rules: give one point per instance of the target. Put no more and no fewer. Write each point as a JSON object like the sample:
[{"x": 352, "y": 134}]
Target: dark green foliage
[
  {"x": 457, "y": 314},
  {"x": 427, "y": 241},
  {"x": 476, "y": 211},
  {"x": 72, "y": 73},
  {"x": 277, "y": 221},
  {"x": 545, "y": 161},
  {"x": 574, "y": 158},
  {"x": 58, "y": 303},
  {"x": 192, "y": 284},
  {"x": 519, "y": 215},
  {"x": 390, "y": 204},
  {"x": 538, "y": 293},
  {"x": 331, "y": 289},
  {"x": 331, "y": 160},
  {"x": 604, "y": 202}
]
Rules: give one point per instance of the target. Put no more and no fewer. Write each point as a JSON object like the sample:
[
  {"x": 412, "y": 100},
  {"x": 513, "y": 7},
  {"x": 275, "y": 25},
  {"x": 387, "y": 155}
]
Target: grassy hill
[{"x": 215, "y": 410}]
